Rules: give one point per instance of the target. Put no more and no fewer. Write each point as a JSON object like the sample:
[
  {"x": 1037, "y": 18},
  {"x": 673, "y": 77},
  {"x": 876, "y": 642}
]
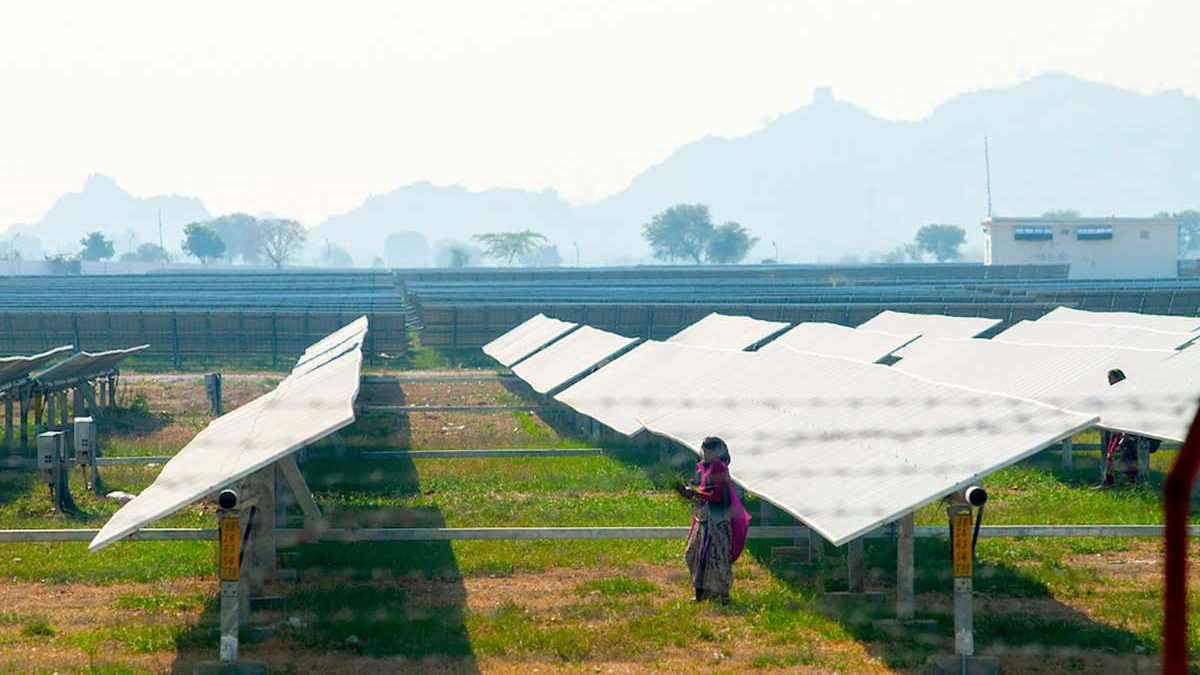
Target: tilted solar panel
[
  {"x": 526, "y": 338},
  {"x": 570, "y": 357},
  {"x": 727, "y": 332}
]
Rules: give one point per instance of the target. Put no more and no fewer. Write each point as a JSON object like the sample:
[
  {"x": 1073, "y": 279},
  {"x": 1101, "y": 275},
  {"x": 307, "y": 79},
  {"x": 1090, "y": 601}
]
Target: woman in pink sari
[{"x": 719, "y": 524}]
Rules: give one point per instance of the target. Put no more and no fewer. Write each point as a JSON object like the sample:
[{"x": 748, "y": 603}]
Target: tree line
[{"x": 232, "y": 237}]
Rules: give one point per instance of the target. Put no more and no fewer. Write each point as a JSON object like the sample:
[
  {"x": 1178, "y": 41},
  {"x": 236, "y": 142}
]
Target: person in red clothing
[{"x": 719, "y": 524}]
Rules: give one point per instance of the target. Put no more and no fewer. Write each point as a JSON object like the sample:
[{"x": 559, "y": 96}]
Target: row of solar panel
[
  {"x": 179, "y": 335},
  {"x": 846, "y": 445}
]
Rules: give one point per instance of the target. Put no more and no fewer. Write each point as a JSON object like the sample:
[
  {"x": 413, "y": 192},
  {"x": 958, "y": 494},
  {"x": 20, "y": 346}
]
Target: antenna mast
[
  {"x": 162, "y": 250},
  {"x": 987, "y": 167}
]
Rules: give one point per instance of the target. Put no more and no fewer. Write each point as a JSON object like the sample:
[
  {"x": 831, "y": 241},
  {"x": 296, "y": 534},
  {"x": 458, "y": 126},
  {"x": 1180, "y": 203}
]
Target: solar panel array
[
  {"x": 846, "y": 444},
  {"x": 316, "y": 399},
  {"x": 200, "y": 315},
  {"x": 568, "y": 358},
  {"x": 727, "y": 332}
]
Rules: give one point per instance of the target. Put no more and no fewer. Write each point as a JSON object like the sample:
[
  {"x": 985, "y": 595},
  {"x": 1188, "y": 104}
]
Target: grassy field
[{"x": 1064, "y": 605}]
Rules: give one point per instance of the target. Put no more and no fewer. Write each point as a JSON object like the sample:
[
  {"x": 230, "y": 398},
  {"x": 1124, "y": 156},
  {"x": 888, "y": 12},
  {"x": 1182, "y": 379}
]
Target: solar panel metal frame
[
  {"x": 570, "y": 357},
  {"x": 929, "y": 325},
  {"x": 1072, "y": 333},
  {"x": 234, "y": 443},
  {"x": 725, "y": 331},
  {"x": 745, "y": 402},
  {"x": 527, "y": 338},
  {"x": 1162, "y": 322},
  {"x": 832, "y": 339},
  {"x": 17, "y": 370},
  {"x": 82, "y": 366}
]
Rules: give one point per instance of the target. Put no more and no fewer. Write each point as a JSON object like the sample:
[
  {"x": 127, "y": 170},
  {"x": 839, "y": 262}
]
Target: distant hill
[
  {"x": 103, "y": 205},
  {"x": 826, "y": 181},
  {"x": 831, "y": 180}
]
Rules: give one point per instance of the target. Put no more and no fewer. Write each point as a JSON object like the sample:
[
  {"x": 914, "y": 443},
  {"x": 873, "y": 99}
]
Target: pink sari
[{"x": 739, "y": 518}]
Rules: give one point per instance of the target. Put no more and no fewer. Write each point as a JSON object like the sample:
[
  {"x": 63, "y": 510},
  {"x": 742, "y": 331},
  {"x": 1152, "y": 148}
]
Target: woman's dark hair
[{"x": 713, "y": 443}]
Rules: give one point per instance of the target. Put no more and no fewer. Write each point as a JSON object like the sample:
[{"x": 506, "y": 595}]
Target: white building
[{"x": 1096, "y": 248}]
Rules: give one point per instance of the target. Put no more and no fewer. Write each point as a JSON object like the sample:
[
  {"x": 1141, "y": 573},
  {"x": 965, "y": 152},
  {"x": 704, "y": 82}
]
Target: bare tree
[{"x": 280, "y": 239}]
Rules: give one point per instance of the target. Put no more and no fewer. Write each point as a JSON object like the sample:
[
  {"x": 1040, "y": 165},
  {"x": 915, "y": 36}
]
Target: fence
[{"x": 178, "y": 336}]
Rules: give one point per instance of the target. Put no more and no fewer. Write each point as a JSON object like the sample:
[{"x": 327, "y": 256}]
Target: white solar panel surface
[
  {"x": 1064, "y": 333},
  {"x": 1059, "y": 375},
  {"x": 645, "y": 381},
  {"x": 569, "y": 358},
  {"x": 929, "y": 325},
  {"x": 727, "y": 332},
  {"x": 355, "y": 330},
  {"x": 847, "y": 446},
  {"x": 1179, "y": 324},
  {"x": 1158, "y": 402},
  {"x": 526, "y": 338},
  {"x": 304, "y": 407},
  {"x": 831, "y": 339},
  {"x": 14, "y": 369},
  {"x": 82, "y": 365}
]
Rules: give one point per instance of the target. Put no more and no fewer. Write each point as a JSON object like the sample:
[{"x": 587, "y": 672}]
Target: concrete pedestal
[
  {"x": 240, "y": 667},
  {"x": 951, "y": 664}
]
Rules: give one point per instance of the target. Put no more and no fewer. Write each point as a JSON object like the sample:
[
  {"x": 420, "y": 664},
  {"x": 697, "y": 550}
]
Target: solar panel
[
  {"x": 727, "y": 332},
  {"x": 1179, "y": 324},
  {"x": 643, "y": 381},
  {"x": 1158, "y": 401},
  {"x": 929, "y": 325},
  {"x": 310, "y": 403},
  {"x": 84, "y": 365},
  {"x": 1059, "y": 375},
  {"x": 1065, "y": 333},
  {"x": 846, "y": 446},
  {"x": 831, "y": 339},
  {"x": 570, "y": 357},
  {"x": 526, "y": 338},
  {"x": 16, "y": 369}
]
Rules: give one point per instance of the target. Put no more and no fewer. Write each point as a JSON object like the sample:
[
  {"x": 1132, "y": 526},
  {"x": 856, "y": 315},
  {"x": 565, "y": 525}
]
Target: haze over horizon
[{"x": 305, "y": 110}]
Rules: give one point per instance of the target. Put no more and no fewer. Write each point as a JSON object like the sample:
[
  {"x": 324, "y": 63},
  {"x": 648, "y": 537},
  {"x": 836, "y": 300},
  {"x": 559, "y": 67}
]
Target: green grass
[
  {"x": 37, "y": 627},
  {"x": 160, "y": 601},
  {"x": 616, "y": 586}
]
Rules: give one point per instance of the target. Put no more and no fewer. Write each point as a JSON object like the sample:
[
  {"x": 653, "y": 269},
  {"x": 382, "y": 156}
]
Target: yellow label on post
[
  {"x": 231, "y": 541},
  {"x": 960, "y": 531}
]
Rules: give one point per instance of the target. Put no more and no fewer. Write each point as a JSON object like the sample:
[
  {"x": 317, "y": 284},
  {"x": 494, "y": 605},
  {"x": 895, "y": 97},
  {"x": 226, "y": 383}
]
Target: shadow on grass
[
  {"x": 385, "y": 599},
  {"x": 1013, "y": 609}
]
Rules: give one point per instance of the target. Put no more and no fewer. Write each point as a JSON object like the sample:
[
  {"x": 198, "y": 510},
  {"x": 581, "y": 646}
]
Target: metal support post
[
  {"x": 964, "y": 608},
  {"x": 112, "y": 391},
  {"x": 230, "y": 534},
  {"x": 89, "y": 398},
  {"x": 64, "y": 414},
  {"x": 51, "y": 411},
  {"x": 212, "y": 387},
  {"x": 905, "y": 598},
  {"x": 23, "y": 398},
  {"x": 855, "y": 567},
  {"x": 290, "y": 472},
  {"x": 1068, "y": 460},
  {"x": 8, "y": 420},
  {"x": 1143, "y": 459},
  {"x": 259, "y": 563}
]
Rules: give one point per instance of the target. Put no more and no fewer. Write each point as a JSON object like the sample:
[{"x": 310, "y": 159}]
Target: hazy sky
[{"x": 305, "y": 108}]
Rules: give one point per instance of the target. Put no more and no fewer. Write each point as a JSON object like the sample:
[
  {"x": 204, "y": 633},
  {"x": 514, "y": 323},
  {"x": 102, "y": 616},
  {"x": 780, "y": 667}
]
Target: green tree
[
  {"x": 96, "y": 247},
  {"x": 729, "y": 244},
  {"x": 202, "y": 242},
  {"x": 279, "y": 239},
  {"x": 1189, "y": 229},
  {"x": 682, "y": 232},
  {"x": 941, "y": 241},
  {"x": 150, "y": 253},
  {"x": 240, "y": 233},
  {"x": 1062, "y": 214},
  {"x": 509, "y": 246},
  {"x": 458, "y": 257}
]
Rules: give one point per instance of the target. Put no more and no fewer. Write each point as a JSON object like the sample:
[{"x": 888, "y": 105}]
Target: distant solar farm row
[
  {"x": 465, "y": 309},
  {"x": 267, "y": 316}
]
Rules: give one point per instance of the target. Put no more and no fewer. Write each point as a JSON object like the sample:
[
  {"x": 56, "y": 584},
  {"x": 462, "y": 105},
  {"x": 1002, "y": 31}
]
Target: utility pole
[
  {"x": 162, "y": 250},
  {"x": 987, "y": 167}
]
